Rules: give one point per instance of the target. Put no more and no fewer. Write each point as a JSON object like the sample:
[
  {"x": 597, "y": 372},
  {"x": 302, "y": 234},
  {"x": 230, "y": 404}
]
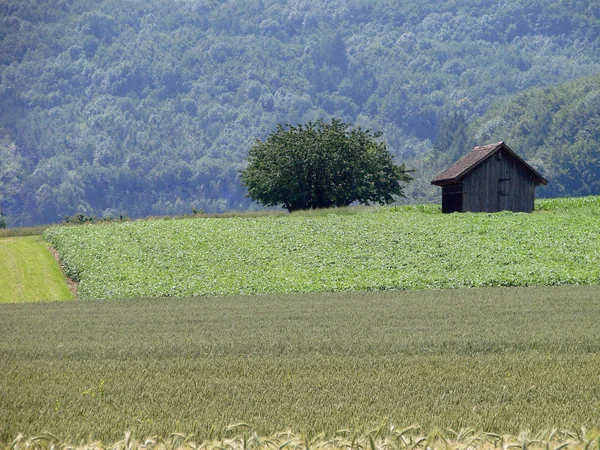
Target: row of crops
[
  {"x": 381, "y": 249},
  {"x": 389, "y": 437},
  {"x": 503, "y": 361}
]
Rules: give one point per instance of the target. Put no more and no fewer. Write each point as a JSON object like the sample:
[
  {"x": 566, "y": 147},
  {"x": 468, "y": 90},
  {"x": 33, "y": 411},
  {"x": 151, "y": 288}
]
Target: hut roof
[{"x": 460, "y": 168}]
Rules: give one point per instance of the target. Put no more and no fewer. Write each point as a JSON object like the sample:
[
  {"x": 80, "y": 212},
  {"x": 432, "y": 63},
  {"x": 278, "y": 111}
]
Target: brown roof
[{"x": 475, "y": 157}]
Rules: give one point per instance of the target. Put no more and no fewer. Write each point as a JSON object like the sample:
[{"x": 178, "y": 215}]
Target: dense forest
[
  {"x": 556, "y": 129},
  {"x": 149, "y": 107}
]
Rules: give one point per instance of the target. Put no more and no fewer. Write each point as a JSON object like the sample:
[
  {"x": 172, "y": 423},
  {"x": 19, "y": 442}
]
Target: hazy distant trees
[{"x": 150, "y": 107}]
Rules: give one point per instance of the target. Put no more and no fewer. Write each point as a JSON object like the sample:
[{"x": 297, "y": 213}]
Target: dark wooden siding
[{"x": 499, "y": 183}]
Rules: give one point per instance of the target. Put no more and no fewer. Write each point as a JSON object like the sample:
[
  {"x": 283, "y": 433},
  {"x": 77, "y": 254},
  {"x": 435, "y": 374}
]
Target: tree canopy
[
  {"x": 320, "y": 165},
  {"x": 557, "y": 129}
]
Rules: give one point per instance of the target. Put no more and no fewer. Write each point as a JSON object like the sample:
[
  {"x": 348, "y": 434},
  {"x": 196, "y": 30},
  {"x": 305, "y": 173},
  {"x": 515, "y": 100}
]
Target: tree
[
  {"x": 453, "y": 140},
  {"x": 320, "y": 165}
]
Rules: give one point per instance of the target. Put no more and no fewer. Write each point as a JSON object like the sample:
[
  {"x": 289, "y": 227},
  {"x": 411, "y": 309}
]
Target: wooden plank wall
[{"x": 499, "y": 184}]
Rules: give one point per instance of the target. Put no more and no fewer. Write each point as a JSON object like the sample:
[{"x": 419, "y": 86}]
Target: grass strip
[
  {"x": 29, "y": 272},
  {"x": 23, "y": 231}
]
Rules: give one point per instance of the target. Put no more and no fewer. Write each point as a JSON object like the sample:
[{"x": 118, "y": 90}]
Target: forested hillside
[
  {"x": 557, "y": 129},
  {"x": 150, "y": 106}
]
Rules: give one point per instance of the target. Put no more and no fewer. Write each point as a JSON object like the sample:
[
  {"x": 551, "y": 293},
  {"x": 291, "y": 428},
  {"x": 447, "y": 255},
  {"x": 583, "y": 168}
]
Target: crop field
[
  {"x": 386, "y": 248},
  {"x": 385, "y": 436},
  {"x": 28, "y": 272},
  {"x": 501, "y": 360}
]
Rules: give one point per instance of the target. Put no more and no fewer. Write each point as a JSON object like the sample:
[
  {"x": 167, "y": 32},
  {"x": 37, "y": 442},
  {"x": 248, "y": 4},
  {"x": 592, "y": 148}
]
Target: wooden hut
[{"x": 490, "y": 178}]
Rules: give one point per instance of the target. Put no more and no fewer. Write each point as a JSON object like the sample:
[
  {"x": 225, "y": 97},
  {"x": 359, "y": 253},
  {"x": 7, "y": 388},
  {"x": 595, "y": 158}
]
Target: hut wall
[{"x": 499, "y": 183}]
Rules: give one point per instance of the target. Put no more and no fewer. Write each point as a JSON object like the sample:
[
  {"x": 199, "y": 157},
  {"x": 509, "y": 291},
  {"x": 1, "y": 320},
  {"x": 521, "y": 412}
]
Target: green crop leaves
[{"x": 393, "y": 248}]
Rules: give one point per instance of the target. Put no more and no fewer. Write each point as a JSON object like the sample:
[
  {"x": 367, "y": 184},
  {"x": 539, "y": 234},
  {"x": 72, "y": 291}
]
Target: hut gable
[{"x": 490, "y": 178}]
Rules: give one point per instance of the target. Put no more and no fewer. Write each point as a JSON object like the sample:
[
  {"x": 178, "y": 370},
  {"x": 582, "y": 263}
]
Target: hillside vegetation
[
  {"x": 385, "y": 248},
  {"x": 507, "y": 360},
  {"x": 149, "y": 107},
  {"x": 556, "y": 129}
]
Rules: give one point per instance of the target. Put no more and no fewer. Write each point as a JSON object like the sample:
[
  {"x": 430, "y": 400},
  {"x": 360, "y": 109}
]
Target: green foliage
[
  {"x": 320, "y": 165},
  {"x": 150, "y": 107},
  {"x": 557, "y": 130},
  {"x": 31, "y": 231},
  {"x": 453, "y": 141},
  {"x": 384, "y": 249},
  {"x": 80, "y": 219},
  {"x": 499, "y": 360},
  {"x": 569, "y": 203}
]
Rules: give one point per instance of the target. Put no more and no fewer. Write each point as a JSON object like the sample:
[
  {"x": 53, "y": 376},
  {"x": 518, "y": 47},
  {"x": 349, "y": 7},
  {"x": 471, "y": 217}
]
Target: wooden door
[{"x": 452, "y": 198}]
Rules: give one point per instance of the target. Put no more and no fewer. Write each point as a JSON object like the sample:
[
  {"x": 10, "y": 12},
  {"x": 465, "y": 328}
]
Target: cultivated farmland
[
  {"x": 385, "y": 248},
  {"x": 503, "y": 360},
  {"x": 327, "y": 367},
  {"x": 385, "y": 436}
]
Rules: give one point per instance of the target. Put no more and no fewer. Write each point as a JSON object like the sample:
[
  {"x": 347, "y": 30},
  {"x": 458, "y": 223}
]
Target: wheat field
[{"x": 499, "y": 360}]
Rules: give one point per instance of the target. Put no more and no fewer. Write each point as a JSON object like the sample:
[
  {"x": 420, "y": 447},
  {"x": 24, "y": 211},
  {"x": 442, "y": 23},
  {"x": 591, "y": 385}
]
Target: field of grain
[
  {"x": 385, "y": 248},
  {"x": 385, "y": 436},
  {"x": 502, "y": 360},
  {"x": 28, "y": 272}
]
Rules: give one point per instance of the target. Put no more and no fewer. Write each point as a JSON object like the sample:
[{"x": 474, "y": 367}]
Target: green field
[
  {"x": 381, "y": 249},
  {"x": 506, "y": 360},
  {"x": 499, "y": 359},
  {"x": 28, "y": 271}
]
